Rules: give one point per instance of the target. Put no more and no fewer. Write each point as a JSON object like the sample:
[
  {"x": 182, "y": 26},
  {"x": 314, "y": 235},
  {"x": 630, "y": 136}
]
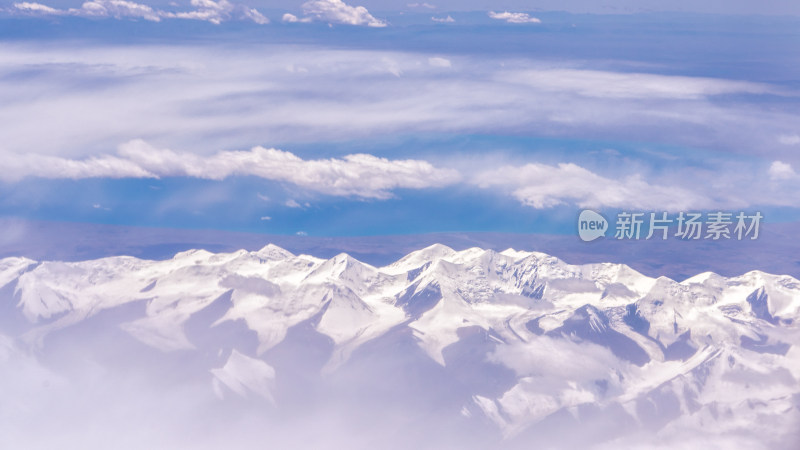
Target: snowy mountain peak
[
  {"x": 515, "y": 254},
  {"x": 418, "y": 258},
  {"x": 273, "y": 252}
]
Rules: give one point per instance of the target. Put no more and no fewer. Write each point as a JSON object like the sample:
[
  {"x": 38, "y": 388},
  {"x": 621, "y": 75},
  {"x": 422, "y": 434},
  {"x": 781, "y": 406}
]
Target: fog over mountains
[{"x": 440, "y": 349}]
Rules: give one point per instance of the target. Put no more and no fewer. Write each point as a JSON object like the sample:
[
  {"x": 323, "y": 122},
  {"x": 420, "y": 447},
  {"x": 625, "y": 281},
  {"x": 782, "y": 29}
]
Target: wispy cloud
[
  {"x": 789, "y": 139},
  {"x": 209, "y": 98},
  {"x": 20, "y": 166},
  {"x": 513, "y": 17},
  {"x": 437, "y": 61},
  {"x": 545, "y": 186},
  {"x": 357, "y": 175},
  {"x": 607, "y": 84},
  {"x": 207, "y": 10},
  {"x": 447, "y": 19},
  {"x": 632, "y": 186},
  {"x": 254, "y": 15},
  {"x": 291, "y": 18},
  {"x": 37, "y": 8}
]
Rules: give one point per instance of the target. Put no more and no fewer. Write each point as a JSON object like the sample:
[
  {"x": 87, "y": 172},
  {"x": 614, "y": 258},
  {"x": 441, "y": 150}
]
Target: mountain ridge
[{"x": 563, "y": 337}]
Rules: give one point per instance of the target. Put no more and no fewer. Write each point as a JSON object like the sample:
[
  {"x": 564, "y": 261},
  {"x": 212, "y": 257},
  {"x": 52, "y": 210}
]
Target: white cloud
[
  {"x": 96, "y": 8},
  {"x": 337, "y": 11},
  {"x": 545, "y": 186},
  {"x": 789, "y": 139},
  {"x": 266, "y": 218},
  {"x": 514, "y": 17},
  {"x": 447, "y": 19},
  {"x": 291, "y": 18},
  {"x": 421, "y": 5},
  {"x": 781, "y": 171},
  {"x": 219, "y": 5},
  {"x": 439, "y": 62},
  {"x": 37, "y": 8},
  {"x": 208, "y": 10},
  {"x": 219, "y": 11},
  {"x": 117, "y": 9},
  {"x": 208, "y": 15},
  {"x": 357, "y": 175},
  {"x": 292, "y": 203}
]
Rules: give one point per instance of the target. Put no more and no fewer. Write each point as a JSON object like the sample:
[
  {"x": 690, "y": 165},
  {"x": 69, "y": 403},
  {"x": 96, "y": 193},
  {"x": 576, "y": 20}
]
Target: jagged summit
[{"x": 272, "y": 251}]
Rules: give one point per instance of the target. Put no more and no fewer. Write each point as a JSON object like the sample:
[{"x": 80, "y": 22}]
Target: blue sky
[{"x": 338, "y": 120}]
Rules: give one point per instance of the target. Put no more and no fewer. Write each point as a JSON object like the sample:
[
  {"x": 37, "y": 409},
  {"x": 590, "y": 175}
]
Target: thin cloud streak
[
  {"x": 356, "y": 175},
  {"x": 212, "y": 11},
  {"x": 544, "y": 186},
  {"x": 514, "y": 17}
]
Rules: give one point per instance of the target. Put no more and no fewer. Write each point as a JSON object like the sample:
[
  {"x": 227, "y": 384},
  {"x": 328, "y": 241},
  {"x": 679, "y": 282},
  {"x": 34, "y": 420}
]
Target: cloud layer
[
  {"x": 65, "y": 105},
  {"x": 536, "y": 185},
  {"x": 210, "y": 98},
  {"x": 357, "y": 175},
  {"x": 208, "y": 10},
  {"x": 214, "y": 11}
]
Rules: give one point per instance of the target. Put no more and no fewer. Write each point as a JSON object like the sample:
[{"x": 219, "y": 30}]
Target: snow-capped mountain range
[{"x": 442, "y": 348}]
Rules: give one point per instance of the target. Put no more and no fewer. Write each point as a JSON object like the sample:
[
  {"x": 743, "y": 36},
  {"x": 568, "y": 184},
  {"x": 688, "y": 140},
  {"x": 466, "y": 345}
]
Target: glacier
[{"x": 440, "y": 349}]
